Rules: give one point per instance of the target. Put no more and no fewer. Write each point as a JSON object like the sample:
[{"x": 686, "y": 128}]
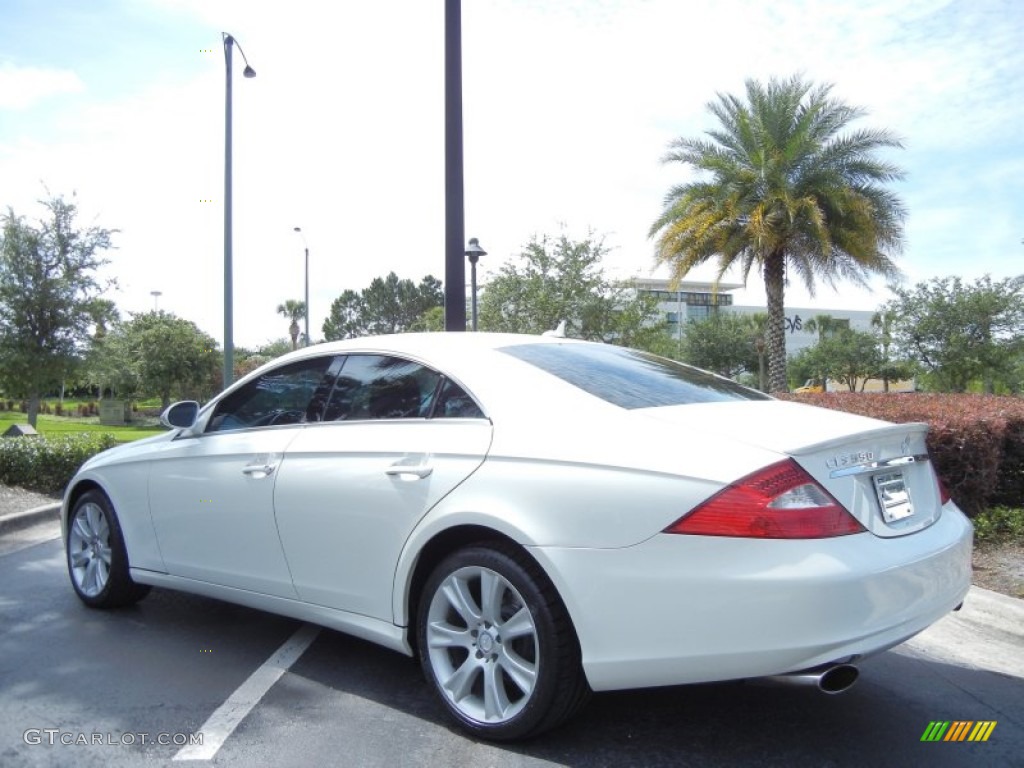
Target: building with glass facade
[{"x": 697, "y": 300}]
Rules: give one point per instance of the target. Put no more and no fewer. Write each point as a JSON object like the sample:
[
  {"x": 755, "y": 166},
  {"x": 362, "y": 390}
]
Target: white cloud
[
  {"x": 24, "y": 87},
  {"x": 568, "y": 108}
]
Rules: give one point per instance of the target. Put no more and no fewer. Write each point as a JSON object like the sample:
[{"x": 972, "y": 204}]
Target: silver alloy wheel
[
  {"x": 482, "y": 644},
  {"x": 89, "y": 549}
]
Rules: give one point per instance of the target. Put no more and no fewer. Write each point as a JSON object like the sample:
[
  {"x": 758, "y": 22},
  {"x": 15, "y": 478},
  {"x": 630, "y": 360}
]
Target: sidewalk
[{"x": 22, "y": 509}]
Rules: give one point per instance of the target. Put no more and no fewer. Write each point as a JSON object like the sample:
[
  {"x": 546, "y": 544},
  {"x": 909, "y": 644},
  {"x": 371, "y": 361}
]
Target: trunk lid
[{"x": 879, "y": 471}]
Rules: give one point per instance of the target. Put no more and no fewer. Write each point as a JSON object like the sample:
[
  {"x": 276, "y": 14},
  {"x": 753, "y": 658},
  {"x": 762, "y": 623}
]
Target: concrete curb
[
  {"x": 30, "y": 517},
  {"x": 987, "y": 633}
]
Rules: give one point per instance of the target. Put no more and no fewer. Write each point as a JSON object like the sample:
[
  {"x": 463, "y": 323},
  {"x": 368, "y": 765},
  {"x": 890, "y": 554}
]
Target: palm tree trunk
[{"x": 774, "y": 285}]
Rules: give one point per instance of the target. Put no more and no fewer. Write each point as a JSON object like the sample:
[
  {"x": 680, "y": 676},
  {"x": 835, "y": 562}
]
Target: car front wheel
[
  {"x": 497, "y": 644},
  {"x": 97, "y": 559}
]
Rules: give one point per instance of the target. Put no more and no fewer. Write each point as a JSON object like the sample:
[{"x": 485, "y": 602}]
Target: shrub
[
  {"x": 46, "y": 464},
  {"x": 976, "y": 441},
  {"x": 58, "y": 409},
  {"x": 999, "y": 524}
]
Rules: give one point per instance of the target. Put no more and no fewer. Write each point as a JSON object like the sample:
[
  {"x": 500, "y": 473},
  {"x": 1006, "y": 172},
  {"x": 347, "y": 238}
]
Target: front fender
[{"x": 127, "y": 487}]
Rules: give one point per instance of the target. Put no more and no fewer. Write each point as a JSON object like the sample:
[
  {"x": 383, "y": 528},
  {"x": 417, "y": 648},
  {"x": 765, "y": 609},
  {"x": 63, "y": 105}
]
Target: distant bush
[
  {"x": 976, "y": 441},
  {"x": 999, "y": 524},
  {"x": 47, "y": 464}
]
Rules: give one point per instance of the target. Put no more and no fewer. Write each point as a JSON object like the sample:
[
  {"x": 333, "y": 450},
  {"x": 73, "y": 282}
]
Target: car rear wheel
[
  {"x": 497, "y": 645},
  {"x": 97, "y": 559}
]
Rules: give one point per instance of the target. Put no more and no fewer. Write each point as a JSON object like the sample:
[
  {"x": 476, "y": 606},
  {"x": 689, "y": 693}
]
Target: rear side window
[
  {"x": 454, "y": 403},
  {"x": 630, "y": 378},
  {"x": 381, "y": 387}
]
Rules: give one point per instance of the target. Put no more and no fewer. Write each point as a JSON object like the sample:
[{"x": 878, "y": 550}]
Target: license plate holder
[{"x": 893, "y": 496}]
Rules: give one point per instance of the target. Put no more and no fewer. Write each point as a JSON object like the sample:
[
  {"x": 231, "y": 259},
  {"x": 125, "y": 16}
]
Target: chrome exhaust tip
[{"x": 829, "y": 678}]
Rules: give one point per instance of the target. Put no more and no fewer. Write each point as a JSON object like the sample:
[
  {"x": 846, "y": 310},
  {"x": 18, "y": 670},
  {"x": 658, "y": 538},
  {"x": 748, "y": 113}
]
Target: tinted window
[
  {"x": 380, "y": 387},
  {"x": 629, "y": 378},
  {"x": 454, "y": 403},
  {"x": 292, "y": 394}
]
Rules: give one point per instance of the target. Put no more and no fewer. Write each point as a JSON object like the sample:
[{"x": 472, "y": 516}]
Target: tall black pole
[{"x": 454, "y": 265}]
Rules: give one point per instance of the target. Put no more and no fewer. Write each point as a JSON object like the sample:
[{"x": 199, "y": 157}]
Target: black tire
[
  {"x": 499, "y": 688},
  {"x": 96, "y": 555}
]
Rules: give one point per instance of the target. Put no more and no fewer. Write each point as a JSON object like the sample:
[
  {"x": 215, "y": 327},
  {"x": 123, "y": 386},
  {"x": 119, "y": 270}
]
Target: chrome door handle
[
  {"x": 258, "y": 469},
  {"x": 419, "y": 470}
]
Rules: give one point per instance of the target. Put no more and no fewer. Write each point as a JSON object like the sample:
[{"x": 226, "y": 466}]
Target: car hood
[{"x": 133, "y": 451}]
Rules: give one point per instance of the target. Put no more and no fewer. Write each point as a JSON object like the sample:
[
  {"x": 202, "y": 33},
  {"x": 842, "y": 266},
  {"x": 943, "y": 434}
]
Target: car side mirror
[{"x": 180, "y": 415}]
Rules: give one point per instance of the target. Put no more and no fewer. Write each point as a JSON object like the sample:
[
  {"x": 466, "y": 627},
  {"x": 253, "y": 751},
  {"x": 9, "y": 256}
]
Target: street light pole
[
  {"x": 454, "y": 192},
  {"x": 299, "y": 230},
  {"x": 229, "y": 344},
  {"x": 474, "y": 252},
  {"x": 156, "y": 299}
]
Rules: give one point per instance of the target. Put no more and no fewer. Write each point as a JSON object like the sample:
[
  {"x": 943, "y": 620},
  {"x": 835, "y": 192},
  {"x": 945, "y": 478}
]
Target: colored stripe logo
[{"x": 958, "y": 730}]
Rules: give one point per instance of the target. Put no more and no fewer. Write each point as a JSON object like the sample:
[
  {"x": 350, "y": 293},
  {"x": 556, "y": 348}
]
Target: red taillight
[{"x": 778, "y": 502}]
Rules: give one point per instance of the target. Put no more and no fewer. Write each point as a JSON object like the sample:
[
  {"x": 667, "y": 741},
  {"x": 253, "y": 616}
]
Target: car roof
[
  {"x": 436, "y": 341},
  {"x": 471, "y": 358}
]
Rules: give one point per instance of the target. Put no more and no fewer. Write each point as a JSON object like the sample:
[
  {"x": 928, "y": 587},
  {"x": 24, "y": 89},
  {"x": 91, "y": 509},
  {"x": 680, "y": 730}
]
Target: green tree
[
  {"x": 892, "y": 369},
  {"x": 558, "y": 280},
  {"x": 721, "y": 342},
  {"x": 961, "y": 332},
  {"x": 825, "y": 326},
  {"x": 786, "y": 191},
  {"x": 430, "y": 321},
  {"x": 294, "y": 311},
  {"x": 387, "y": 305},
  {"x": 49, "y": 298},
  {"x": 274, "y": 348},
  {"x": 157, "y": 353},
  {"x": 849, "y": 357}
]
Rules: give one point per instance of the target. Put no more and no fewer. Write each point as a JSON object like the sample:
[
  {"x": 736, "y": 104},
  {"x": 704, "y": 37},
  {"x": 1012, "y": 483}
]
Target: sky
[{"x": 569, "y": 106}]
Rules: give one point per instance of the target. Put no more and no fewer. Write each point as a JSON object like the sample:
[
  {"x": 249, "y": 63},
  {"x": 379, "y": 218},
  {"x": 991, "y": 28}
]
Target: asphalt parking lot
[{"x": 142, "y": 682}]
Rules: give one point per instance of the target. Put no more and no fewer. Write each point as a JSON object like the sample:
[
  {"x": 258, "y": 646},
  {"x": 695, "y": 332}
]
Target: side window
[
  {"x": 381, "y": 387},
  {"x": 292, "y": 394},
  {"x": 454, "y": 403}
]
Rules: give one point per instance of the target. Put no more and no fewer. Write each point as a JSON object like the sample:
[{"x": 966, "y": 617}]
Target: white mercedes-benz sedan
[{"x": 535, "y": 518}]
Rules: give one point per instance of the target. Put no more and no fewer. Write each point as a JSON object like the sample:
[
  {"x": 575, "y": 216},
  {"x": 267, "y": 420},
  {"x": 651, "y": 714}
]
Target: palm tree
[
  {"x": 293, "y": 310},
  {"x": 757, "y": 324},
  {"x": 825, "y": 325},
  {"x": 786, "y": 192}
]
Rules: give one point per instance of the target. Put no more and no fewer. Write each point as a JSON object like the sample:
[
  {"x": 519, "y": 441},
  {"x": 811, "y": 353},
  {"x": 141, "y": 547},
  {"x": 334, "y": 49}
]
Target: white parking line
[{"x": 228, "y": 715}]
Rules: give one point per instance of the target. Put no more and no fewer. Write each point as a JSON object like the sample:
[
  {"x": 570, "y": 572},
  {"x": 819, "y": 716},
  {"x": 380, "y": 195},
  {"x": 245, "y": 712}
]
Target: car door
[
  {"x": 396, "y": 437},
  {"x": 212, "y": 495}
]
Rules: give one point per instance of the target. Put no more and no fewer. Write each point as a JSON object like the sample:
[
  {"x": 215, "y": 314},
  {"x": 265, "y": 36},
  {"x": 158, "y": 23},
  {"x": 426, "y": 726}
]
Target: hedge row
[
  {"x": 976, "y": 441},
  {"x": 47, "y": 464}
]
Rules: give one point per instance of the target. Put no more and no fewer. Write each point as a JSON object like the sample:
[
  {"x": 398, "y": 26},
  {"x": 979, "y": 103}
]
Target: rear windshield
[{"x": 630, "y": 378}]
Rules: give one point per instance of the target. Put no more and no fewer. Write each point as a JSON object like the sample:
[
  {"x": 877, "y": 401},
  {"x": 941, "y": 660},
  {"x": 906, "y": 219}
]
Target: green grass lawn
[{"x": 62, "y": 425}]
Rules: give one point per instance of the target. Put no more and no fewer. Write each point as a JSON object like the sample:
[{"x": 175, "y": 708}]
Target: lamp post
[
  {"x": 474, "y": 252},
  {"x": 229, "y": 351},
  {"x": 454, "y": 192},
  {"x": 299, "y": 230},
  {"x": 156, "y": 299}
]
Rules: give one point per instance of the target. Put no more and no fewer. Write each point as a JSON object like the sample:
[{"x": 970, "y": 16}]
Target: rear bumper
[{"x": 688, "y": 609}]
